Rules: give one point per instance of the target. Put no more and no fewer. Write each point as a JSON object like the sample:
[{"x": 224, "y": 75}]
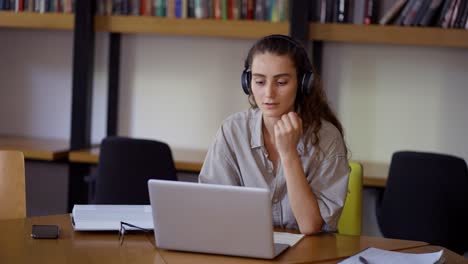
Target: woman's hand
[{"x": 288, "y": 131}]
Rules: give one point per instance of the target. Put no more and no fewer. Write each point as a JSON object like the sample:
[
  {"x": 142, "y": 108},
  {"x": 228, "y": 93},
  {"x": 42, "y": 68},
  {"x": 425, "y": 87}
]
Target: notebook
[
  {"x": 91, "y": 217},
  {"x": 215, "y": 219}
]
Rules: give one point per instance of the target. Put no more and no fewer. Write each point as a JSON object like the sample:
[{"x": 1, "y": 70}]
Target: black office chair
[
  {"x": 126, "y": 165},
  {"x": 426, "y": 199}
]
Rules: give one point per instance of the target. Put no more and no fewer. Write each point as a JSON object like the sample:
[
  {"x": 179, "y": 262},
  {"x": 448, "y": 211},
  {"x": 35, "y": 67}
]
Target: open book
[
  {"x": 91, "y": 217},
  {"x": 375, "y": 255}
]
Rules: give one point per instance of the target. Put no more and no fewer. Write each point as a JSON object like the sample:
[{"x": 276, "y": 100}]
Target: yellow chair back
[{"x": 350, "y": 222}]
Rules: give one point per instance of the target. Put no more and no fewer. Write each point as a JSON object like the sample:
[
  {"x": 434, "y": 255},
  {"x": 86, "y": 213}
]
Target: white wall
[
  {"x": 179, "y": 89},
  {"x": 399, "y": 97}
]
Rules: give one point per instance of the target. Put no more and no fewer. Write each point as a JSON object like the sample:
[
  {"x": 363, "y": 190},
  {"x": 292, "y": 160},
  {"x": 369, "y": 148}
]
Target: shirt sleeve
[
  {"x": 331, "y": 188},
  {"x": 219, "y": 166}
]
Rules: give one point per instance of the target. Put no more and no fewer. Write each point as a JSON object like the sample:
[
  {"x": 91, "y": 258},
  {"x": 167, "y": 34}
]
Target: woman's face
[{"x": 274, "y": 84}]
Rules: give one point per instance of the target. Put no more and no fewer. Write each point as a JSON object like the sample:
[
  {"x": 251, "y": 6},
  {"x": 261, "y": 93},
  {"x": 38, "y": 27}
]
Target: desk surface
[
  {"x": 192, "y": 161},
  {"x": 185, "y": 159},
  {"x": 36, "y": 148},
  {"x": 16, "y": 246}
]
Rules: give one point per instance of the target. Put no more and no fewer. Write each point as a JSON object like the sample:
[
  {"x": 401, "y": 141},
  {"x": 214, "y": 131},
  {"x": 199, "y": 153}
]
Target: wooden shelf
[
  {"x": 190, "y": 27},
  {"x": 36, "y": 148},
  {"x": 185, "y": 159},
  {"x": 247, "y": 29},
  {"x": 423, "y": 36},
  {"x": 37, "y": 20}
]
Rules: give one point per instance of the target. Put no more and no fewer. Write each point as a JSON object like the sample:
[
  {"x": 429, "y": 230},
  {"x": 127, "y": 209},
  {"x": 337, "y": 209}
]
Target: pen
[{"x": 363, "y": 260}]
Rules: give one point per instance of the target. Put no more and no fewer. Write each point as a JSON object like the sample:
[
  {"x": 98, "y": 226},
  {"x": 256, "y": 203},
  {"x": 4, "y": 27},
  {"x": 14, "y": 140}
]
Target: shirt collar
[{"x": 256, "y": 139}]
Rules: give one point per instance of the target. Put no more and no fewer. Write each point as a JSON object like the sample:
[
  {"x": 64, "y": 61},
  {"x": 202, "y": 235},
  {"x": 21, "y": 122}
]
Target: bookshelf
[
  {"x": 31, "y": 20},
  {"x": 377, "y": 34},
  {"x": 349, "y": 33}
]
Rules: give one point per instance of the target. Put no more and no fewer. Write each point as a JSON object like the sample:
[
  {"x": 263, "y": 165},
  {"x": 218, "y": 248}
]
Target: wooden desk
[
  {"x": 185, "y": 159},
  {"x": 16, "y": 246},
  {"x": 36, "y": 148},
  {"x": 375, "y": 174},
  {"x": 192, "y": 160},
  {"x": 449, "y": 256}
]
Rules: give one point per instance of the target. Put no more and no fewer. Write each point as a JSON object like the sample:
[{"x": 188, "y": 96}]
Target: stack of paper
[
  {"x": 375, "y": 255},
  {"x": 108, "y": 217}
]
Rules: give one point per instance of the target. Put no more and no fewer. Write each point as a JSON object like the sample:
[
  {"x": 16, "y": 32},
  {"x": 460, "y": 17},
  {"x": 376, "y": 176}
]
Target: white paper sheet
[
  {"x": 287, "y": 238},
  {"x": 375, "y": 255}
]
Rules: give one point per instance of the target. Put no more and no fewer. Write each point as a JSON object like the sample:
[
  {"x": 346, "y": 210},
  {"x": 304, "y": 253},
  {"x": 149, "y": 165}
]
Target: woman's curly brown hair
[{"x": 312, "y": 107}]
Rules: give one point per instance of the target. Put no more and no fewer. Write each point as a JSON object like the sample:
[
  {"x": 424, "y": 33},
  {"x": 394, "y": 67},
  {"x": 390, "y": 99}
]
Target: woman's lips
[{"x": 270, "y": 105}]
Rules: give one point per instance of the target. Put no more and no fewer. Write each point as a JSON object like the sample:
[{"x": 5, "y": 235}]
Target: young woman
[{"x": 289, "y": 141}]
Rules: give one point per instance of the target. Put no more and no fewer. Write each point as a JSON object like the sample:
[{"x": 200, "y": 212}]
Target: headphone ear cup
[
  {"x": 306, "y": 83},
  {"x": 245, "y": 81}
]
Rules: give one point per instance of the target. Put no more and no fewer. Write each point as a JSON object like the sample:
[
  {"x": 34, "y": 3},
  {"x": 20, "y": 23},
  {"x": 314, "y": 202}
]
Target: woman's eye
[
  {"x": 259, "y": 82},
  {"x": 281, "y": 83}
]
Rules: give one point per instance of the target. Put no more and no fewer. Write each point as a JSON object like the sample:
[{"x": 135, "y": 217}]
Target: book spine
[
  {"x": 184, "y": 8},
  {"x": 340, "y": 11},
  {"x": 259, "y": 10},
  {"x": 178, "y": 8},
  {"x": 464, "y": 17},
  {"x": 329, "y": 11},
  {"x": 230, "y": 9},
  {"x": 460, "y": 12},
  {"x": 422, "y": 11},
  {"x": 283, "y": 10},
  {"x": 224, "y": 10},
  {"x": 392, "y": 12},
  {"x": 430, "y": 14},
  {"x": 404, "y": 13},
  {"x": 236, "y": 9},
  {"x": 135, "y": 7},
  {"x": 442, "y": 13},
  {"x": 30, "y": 5},
  {"x": 370, "y": 12},
  {"x": 448, "y": 14},
  {"x": 454, "y": 14},
  {"x": 250, "y": 9},
  {"x": 191, "y": 8},
  {"x": 243, "y": 9},
  {"x": 411, "y": 16},
  {"x": 358, "y": 12}
]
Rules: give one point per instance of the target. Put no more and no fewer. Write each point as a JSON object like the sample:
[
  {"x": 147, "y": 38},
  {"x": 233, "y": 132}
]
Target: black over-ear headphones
[{"x": 305, "y": 79}]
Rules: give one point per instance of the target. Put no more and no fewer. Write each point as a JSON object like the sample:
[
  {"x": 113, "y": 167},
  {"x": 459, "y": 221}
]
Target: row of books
[
  {"x": 428, "y": 13},
  {"x": 40, "y": 6},
  {"x": 263, "y": 10}
]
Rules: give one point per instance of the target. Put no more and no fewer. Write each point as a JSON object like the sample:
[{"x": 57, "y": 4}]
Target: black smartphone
[{"x": 45, "y": 231}]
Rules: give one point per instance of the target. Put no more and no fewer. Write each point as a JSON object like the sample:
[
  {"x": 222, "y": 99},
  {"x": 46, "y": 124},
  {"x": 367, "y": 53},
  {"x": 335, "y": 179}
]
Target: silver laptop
[{"x": 214, "y": 219}]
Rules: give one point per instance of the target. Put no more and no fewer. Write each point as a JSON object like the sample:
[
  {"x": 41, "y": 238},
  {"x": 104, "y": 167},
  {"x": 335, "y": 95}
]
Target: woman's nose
[{"x": 270, "y": 89}]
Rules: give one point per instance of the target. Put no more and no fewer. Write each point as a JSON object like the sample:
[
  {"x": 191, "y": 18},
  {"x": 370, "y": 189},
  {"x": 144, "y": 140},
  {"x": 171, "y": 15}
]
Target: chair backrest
[
  {"x": 426, "y": 199},
  {"x": 126, "y": 165},
  {"x": 12, "y": 185},
  {"x": 350, "y": 222}
]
